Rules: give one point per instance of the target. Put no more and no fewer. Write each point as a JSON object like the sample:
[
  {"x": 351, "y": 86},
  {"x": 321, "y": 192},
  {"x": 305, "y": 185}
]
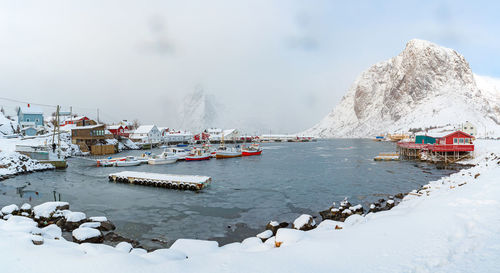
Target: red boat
[
  {"x": 254, "y": 149},
  {"x": 197, "y": 155}
]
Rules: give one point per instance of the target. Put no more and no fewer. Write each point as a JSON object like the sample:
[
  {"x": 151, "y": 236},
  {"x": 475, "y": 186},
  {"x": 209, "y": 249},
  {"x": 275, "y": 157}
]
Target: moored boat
[
  {"x": 178, "y": 152},
  {"x": 163, "y": 158},
  {"x": 253, "y": 149},
  {"x": 127, "y": 161},
  {"x": 108, "y": 162},
  {"x": 226, "y": 152},
  {"x": 197, "y": 155}
]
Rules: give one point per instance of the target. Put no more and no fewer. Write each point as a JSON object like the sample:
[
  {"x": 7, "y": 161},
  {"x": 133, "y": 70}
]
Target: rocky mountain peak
[{"x": 389, "y": 92}]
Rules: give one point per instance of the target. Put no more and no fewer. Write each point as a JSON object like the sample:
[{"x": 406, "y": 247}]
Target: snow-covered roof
[
  {"x": 34, "y": 110},
  {"x": 229, "y": 131},
  {"x": 87, "y": 127},
  {"x": 144, "y": 129},
  {"x": 74, "y": 118},
  {"x": 114, "y": 127}
]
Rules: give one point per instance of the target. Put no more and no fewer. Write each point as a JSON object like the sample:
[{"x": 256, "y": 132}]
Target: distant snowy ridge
[
  {"x": 198, "y": 111},
  {"x": 426, "y": 85}
]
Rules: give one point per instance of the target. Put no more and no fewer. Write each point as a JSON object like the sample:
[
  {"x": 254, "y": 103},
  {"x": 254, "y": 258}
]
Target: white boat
[
  {"x": 227, "y": 152},
  {"x": 178, "y": 152},
  {"x": 163, "y": 158},
  {"x": 128, "y": 161}
]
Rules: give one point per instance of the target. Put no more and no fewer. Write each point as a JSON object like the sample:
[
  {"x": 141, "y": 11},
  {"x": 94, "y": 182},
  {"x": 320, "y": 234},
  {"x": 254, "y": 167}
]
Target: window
[
  {"x": 37, "y": 120},
  {"x": 27, "y": 120},
  {"x": 461, "y": 141},
  {"x": 455, "y": 141},
  {"x": 467, "y": 140}
]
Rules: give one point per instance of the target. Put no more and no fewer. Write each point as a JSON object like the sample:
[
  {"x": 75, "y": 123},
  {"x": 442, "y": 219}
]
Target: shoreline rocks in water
[{"x": 52, "y": 218}]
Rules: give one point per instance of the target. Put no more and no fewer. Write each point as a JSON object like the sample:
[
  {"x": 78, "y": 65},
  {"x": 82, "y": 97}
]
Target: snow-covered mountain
[
  {"x": 425, "y": 85},
  {"x": 199, "y": 111}
]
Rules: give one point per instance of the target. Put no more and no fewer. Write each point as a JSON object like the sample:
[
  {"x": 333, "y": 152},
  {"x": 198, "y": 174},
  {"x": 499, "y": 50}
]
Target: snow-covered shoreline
[
  {"x": 12, "y": 163},
  {"x": 453, "y": 226}
]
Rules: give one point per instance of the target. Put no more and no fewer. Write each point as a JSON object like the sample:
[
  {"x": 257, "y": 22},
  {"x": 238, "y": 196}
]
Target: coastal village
[{"x": 96, "y": 138}]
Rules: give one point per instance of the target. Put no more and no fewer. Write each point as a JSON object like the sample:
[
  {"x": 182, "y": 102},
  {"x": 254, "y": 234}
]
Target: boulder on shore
[
  {"x": 304, "y": 222},
  {"x": 87, "y": 235}
]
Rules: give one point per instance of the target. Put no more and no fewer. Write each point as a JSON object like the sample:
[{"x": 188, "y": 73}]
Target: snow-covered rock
[
  {"x": 426, "y": 85},
  {"x": 47, "y": 209},
  {"x": 87, "y": 235},
  {"x": 26, "y": 207},
  {"x": 124, "y": 247},
  {"x": 287, "y": 236},
  {"x": 10, "y": 209},
  {"x": 98, "y": 219},
  {"x": 91, "y": 225},
  {"x": 194, "y": 247},
  {"x": 52, "y": 232},
  {"x": 75, "y": 216},
  {"x": 266, "y": 234},
  {"x": 304, "y": 222}
]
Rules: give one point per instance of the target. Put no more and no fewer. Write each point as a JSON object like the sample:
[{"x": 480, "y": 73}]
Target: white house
[
  {"x": 178, "y": 137},
  {"x": 469, "y": 128},
  {"x": 146, "y": 134},
  {"x": 229, "y": 134}
]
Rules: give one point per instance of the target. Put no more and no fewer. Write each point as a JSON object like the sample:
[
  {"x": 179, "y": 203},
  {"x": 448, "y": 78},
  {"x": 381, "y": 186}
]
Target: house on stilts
[{"x": 449, "y": 148}]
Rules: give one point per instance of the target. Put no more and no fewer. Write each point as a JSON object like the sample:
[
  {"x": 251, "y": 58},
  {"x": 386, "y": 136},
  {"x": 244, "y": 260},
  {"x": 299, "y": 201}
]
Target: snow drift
[{"x": 425, "y": 86}]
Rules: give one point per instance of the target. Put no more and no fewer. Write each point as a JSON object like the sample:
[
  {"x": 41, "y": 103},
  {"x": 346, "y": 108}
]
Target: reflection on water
[{"x": 287, "y": 180}]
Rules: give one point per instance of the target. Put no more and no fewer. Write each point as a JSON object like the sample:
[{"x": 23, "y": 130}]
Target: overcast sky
[{"x": 274, "y": 64}]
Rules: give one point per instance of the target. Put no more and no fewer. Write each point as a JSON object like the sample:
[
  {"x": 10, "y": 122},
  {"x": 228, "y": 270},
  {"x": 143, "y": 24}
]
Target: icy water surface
[{"x": 287, "y": 180}]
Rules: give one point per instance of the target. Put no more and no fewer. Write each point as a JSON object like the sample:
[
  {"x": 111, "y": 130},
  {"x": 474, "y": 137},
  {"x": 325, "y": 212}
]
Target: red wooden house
[
  {"x": 201, "y": 136},
  {"x": 449, "y": 148},
  {"x": 79, "y": 121},
  {"x": 455, "y": 142},
  {"x": 119, "y": 130}
]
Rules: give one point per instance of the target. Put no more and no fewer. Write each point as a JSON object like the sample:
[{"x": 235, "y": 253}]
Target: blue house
[{"x": 30, "y": 117}]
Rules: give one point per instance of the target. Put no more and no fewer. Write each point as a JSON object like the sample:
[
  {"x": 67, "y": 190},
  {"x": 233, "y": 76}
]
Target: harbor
[{"x": 244, "y": 193}]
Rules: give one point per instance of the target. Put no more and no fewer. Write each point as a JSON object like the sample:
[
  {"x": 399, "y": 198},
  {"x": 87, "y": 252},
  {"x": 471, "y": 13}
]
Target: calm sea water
[{"x": 287, "y": 180}]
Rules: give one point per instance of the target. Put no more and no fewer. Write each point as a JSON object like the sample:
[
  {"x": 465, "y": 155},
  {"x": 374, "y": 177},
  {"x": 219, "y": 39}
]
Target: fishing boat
[
  {"x": 127, "y": 161},
  {"x": 227, "y": 152},
  {"x": 197, "y": 154},
  {"x": 253, "y": 149},
  {"x": 108, "y": 162},
  {"x": 178, "y": 152},
  {"x": 163, "y": 158},
  {"x": 209, "y": 149}
]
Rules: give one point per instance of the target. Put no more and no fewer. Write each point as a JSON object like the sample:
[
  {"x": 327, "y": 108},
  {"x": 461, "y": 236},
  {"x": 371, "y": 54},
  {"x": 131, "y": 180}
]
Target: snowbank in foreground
[{"x": 454, "y": 226}]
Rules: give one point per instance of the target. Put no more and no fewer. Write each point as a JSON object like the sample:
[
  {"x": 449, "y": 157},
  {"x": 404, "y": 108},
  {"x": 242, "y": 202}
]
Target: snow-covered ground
[
  {"x": 13, "y": 163},
  {"x": 453, "y": 226}
]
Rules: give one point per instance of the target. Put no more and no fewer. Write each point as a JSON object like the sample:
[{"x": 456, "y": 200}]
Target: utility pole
[{"x": 98, "y": 116}]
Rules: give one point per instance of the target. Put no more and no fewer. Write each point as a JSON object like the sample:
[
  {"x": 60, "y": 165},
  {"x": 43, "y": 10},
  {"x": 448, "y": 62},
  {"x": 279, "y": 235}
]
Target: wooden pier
[
  {"x": 387, "y": 157},
  {"x": 168, "y": 181}
]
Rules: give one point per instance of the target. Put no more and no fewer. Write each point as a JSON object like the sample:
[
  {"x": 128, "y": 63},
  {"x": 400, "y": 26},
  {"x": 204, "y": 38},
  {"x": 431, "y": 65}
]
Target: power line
[
  {"x": 84, "y": 109},
  {"x": 20, "y": 101}
]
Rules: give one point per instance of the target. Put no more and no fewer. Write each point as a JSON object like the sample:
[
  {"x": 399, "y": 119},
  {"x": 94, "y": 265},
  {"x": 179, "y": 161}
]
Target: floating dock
[
  {"x": 168, "y": 181},
  {"x": 387, "y": 157}
]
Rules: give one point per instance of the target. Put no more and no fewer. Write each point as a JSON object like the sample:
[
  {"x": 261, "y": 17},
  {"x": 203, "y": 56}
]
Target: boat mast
[{"x": 58, "y": 133}]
